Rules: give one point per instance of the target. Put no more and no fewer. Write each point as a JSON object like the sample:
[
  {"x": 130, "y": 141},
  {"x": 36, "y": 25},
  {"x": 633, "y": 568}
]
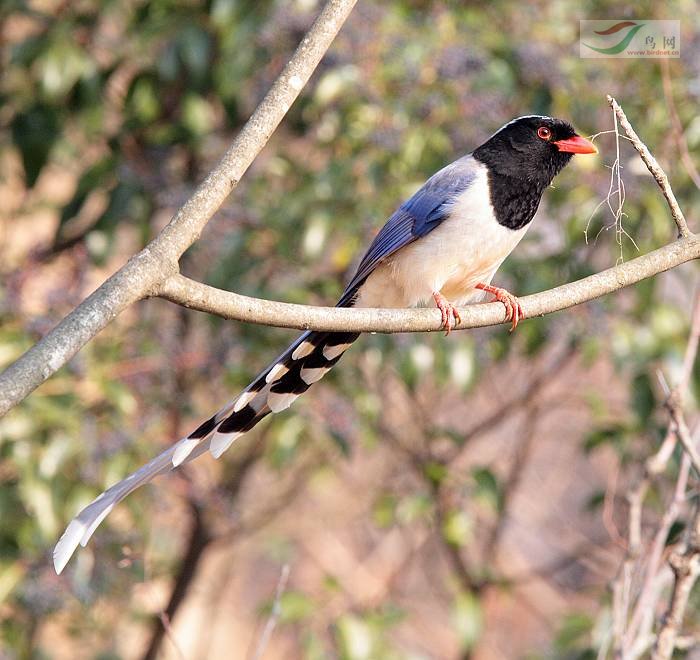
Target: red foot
[
  {"x": 514, "y": 312},
  {"x": 448, "y": 311}
]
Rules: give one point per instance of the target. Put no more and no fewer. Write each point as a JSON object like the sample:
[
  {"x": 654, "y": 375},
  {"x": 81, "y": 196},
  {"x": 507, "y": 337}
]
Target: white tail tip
[{"x": 183, "y": 449}]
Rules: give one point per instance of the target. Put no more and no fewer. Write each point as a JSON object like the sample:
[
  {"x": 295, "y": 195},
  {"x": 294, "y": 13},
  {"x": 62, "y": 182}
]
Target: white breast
[{"x": 465, "y": 249}]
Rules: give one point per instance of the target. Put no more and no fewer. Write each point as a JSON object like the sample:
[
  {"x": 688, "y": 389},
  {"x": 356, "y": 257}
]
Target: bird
[{"x": 444, "y": 244}]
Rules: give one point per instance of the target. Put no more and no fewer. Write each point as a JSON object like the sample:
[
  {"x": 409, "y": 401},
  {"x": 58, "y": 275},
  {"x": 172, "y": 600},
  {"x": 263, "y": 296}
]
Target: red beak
[{"x": 576, "y": 145}]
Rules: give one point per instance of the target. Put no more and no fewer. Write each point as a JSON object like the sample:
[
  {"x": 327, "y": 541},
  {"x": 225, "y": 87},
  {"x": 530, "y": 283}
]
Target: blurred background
[{"x": 434, "y": 497}]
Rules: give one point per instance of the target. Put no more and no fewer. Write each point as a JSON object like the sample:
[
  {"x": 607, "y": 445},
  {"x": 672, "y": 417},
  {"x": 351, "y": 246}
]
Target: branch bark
[
  {"x": 159, "y": 259},
  {"x": 195, "y": 295}
]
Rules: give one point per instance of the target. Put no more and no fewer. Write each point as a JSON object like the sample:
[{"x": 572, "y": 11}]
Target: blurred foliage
[{"x": 128, "y": 105}]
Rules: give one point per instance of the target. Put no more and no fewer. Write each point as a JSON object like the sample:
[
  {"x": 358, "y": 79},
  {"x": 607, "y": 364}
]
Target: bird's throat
[{"x": 514, "y": 200}]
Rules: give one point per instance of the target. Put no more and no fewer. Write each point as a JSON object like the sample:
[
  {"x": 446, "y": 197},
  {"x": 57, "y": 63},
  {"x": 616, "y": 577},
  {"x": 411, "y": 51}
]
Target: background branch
[
  {"x": 638, "y": 585},
  {"x": 686, "y": 569},
  {"x": 678, "y": 132}
]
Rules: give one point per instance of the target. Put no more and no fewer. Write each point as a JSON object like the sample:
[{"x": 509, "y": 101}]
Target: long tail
[{"x": 306, "y": 361}]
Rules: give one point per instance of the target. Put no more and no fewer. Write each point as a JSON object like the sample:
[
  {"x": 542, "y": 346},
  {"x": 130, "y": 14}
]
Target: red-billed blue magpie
[{"x": 445, "y": 243}]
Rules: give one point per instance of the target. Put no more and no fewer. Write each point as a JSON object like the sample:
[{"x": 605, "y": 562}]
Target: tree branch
[
  {"x": 195, "y": 295},
  {"x": 639, "y": 576},
  {"x": 654, "y": 167},
  {"x": 686, "y": 569},
  {"x": 197, "y": 544},
  {"x": 159, "y": 258}
]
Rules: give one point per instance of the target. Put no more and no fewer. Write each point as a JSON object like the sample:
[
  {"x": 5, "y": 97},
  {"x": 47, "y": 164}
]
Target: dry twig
[
  {"x": 275, "y": 613},
  {"x": 678, "y": 132},
  {"x": 633, "y": 635},
  {"x": 686, "y": 569},
  {"x": 653, "y": 167}
]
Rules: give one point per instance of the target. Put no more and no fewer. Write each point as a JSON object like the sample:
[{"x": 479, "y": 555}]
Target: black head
[
  {"x": 522, "y": 159},
  {"x": 533, "y": 148}
]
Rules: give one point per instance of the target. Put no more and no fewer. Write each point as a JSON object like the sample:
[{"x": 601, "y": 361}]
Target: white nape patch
[
  {"x": 220, "y": 442},
  {"x": 517, "y": 119},
  {"x": 243, "y": 400},
  {"x": 279, "y": 401},
  {"x": 332, "y": 352},
  {"x": 304, "y": 349},
  {"x": 278, "y": 370},
  {"x": 183, "y": 449},
  {"x": 310, "y": 376}
]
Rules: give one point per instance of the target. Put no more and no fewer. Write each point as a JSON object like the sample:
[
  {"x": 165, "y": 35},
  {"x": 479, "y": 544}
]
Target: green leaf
[
  {"x": 643, "y": 399},
  {"x": 384, "y": 511},
  {"x": 674, "y": 534},
  {"x": 487, "y": 487},
  {"x": 61, "y": 66},
  {"x": 436, "y": 472},
  {"x": 574, "y": 631},
  {"x": 197, "y": 115},
  {"x": 92, "y": 179},
  {"x": 295, "y": 606},
  {"x": 467, "y": 619},
  {"x": 194, "y": 47},
  {"x": 34, "y": 132},
  {"x": 355, "y": 638},
  {"x": 144, "y": 101},
  {"x": 595, "y": 501},
  {"x": 413, "y": 507},
  {"x": 608, "y": 435},
  {"x": 458, "y": 528}
]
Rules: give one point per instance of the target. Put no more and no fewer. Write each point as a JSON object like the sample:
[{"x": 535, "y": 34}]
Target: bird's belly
[
  {"x": 452, "y": 259},
  {"x": 466, "y": 248}
]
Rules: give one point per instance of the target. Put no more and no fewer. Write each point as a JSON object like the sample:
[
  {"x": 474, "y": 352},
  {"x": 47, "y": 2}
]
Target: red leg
[
  {"x": 448, "y": 311},
  {"x": 514, "y": 312}
]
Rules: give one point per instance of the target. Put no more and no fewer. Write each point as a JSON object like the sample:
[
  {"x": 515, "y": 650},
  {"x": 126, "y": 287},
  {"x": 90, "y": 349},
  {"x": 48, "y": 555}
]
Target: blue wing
[{"x": 415, "y": 218}]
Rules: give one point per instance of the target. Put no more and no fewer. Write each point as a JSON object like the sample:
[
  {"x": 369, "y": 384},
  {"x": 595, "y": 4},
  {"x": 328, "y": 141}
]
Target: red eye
[{"x": 544, "y": 133}]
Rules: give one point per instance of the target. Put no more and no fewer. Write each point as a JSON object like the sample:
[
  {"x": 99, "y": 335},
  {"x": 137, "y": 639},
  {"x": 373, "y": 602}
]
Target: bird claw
[
  {"x": 448, "y": 312},
  {"x": 514, "y": 310}
]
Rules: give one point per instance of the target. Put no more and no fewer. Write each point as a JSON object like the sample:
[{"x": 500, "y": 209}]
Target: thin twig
[
  {"x": 633, "y": 635},
  {"x": 196, "y": 546},
  {"x": 275, "y": 613},
  {"x": 619, "y": 191},
  {"x": 683, "y": 433},
  {"x": 691, "y": 351},
  {"x": 644, "y": 607},
  {"x": 678, "y": 132},
  {"x": 653, "y": 167},
  {"x": 686, "y": 569}
]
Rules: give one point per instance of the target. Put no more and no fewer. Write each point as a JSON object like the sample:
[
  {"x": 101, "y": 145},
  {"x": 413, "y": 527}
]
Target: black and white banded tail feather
[{"x": 306, "y": 361}]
